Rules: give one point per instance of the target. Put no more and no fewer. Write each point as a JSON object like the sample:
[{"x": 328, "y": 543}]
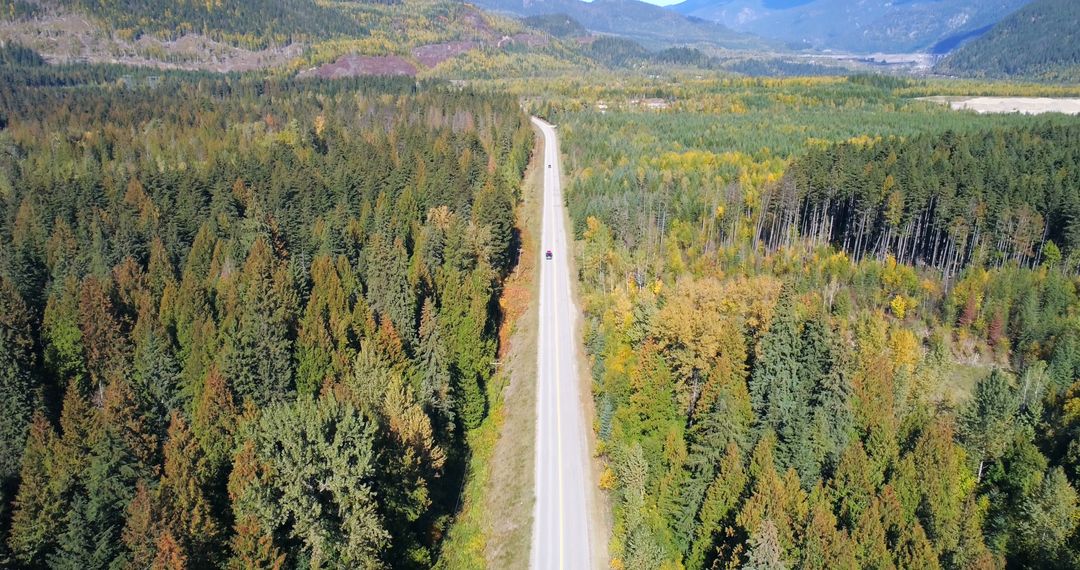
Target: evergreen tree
[
  {"x": 434, "y": 389},
  {"x": 186, "y": 513},
  {"x": 17, "y": 363},
  {"x": 494, "y": 209},
  {"x": 257, "y": 356},
  {"x": 988, "y": 422},
  {"x": 388, "y": 289},
  {"x": 1048, "y": 519},
  {"x": 721, "y": 498},
  {"x": 38, "y": 508},
  {"x": 61, "y": 337},
  {"x": 780, "y": 399},
  {"x": 141, "y": 528},
  {"x": 317, "y": 444},
  {"x": 765, "y": 552},
  {"x": 254, "y": 549}
]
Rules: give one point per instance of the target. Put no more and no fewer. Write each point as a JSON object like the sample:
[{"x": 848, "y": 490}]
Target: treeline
[
  {"x": 792, "y": 404},
  {"x": 247, "y": 323},
  {"x": 942, "y": 200},
  {"x": 249, "y": 23}
]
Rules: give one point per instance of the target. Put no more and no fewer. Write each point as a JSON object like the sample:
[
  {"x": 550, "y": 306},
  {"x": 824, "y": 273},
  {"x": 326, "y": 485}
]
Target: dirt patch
[
  {"x": 530, "y": 40},
  {"x": 510, "y": 495},
  {"x": 1023, "y": 105},
  {"x": 357, "y": 65},
  {"x": 433, "y": 54}
]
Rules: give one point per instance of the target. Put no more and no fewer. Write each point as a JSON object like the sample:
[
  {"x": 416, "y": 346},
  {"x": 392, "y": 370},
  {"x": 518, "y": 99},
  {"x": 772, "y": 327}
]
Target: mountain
[
  {"x": 645, "y": 23},
  {"x": 346, "y": 38},
  {"x": 861, "y": 26},
  {"x": 1040, "y": 41}
]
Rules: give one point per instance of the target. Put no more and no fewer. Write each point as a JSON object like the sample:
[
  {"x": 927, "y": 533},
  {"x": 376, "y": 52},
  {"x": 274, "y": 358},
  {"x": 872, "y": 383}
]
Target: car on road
[{"x": 548, "y": 254}]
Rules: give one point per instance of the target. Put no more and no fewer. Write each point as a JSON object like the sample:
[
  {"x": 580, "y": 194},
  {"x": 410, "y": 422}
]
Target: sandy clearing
[{"x": 1023, "y": 105}]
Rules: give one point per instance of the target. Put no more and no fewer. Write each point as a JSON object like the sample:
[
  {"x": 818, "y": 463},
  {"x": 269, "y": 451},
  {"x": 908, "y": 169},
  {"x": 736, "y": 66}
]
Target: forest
[
  {"x": 1038, "y": 41},
  {"x": 244, "y": 322},
  {"x": 828, "y": 326}
]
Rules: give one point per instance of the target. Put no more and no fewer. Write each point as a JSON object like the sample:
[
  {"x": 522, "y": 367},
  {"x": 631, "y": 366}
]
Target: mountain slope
[
  {"x": 1041, "y": 40},
  {"x": 863, "y": 26},
  {"x": 353, "y": 37},
  {"x": 650, "y": 25}
]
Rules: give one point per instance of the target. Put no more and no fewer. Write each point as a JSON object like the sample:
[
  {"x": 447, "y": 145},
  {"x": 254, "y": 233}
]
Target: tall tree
[
  {"x": 988, "y": 422},
  {"x": 17, "y": 366},
  {"x": 311, "y": 444},
  {"x": 780, "y": 399},
  {"x": 257, "y": 352}
]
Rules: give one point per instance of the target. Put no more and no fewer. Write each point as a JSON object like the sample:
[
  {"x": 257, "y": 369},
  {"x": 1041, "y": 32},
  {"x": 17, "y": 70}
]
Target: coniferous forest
[{"x": 245, "y": 322}]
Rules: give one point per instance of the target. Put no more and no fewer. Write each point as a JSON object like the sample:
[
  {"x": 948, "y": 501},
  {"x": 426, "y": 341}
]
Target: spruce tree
[
  {"x": 780, "y": 399},
  {"x": 17, "y": 366}
]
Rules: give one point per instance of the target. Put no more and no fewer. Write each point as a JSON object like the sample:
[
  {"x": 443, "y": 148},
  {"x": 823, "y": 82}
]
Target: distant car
[
  {"x": 548, "y": 254},
  {"x": 549, "y": 166}
]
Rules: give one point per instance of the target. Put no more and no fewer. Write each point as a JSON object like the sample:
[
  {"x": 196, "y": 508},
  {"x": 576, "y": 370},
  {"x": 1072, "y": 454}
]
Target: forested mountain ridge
[
  {"x": 1039, "y": 41},
  {"x": 283, "y": 37},
  {"x": 861, "y": 27},
  {"x": 645, "y": 23},
  {"x": 245, "y": 322}
]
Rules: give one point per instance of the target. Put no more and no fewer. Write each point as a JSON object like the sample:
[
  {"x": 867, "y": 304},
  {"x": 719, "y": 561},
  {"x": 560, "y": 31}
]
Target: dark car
[{"x": 548, "y": 254}]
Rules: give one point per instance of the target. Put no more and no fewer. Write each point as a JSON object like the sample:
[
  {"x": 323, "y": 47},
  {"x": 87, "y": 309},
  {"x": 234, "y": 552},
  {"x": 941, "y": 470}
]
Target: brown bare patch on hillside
[
  {"x": 357, "y": 65},
  {"x": 62, "y": 37},
  {"x": 433, "y": 54}
]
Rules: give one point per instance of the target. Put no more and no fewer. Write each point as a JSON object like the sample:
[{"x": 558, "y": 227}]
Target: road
[{"x": 561, "y": 532}]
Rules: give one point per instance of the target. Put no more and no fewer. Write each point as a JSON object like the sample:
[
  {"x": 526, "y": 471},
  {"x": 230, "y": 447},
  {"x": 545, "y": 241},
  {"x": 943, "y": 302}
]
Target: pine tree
[
  {"x": 434, "y": 390},
  {"x": 75, "y": 545},
  {"x": 141, "y": 528},
  {"x": 494, "y": 209},
  {"x": 110, "y": 486},
  {"x": 254, "y": 549},
  {"x": 1048, "y": 519},
  {"x": 257, "y": 356},
  {"x": 62, "y": 339},
  {"x": 187, "y": 514},
  {"x": 215, "y": 420},
  {"x": 823, "y": 545},
  {"x": 17, "y": 364},
  {"x": 106, "y": 348},
  {"x": 988, "y": 422},
  {"x": 777, "y": 393},
  {"x": 28, "y": 271},
  {"x": 314, "y": 444},
  {"x": 156, "y": 373},
  {"x": 388, "y": 289},
  {"x": 38, "y": 508},
  {"x": 721, "y": 498},
  {"x": 765, "y": 552},
  {"x": 129, "y": 420},
  {"x": 171, "y": 555}
]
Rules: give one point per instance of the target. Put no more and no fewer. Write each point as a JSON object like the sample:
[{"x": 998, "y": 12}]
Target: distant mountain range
[
  {"x": 1040, "y": 41},
  {"x": 650, "y": 25},
  {"x": 861, "y": 26}
]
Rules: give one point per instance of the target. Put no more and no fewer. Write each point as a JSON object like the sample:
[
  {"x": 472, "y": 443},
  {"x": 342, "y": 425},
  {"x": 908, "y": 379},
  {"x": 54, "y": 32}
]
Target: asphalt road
[{"x": 560, "y": 517}]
